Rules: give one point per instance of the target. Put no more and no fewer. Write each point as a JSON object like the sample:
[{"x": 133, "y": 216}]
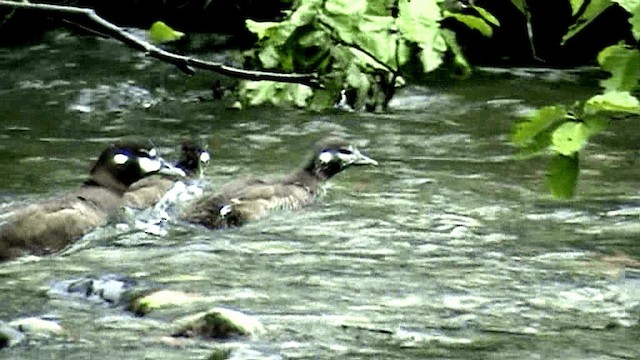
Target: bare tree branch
[{"x": 97, "y": 24}]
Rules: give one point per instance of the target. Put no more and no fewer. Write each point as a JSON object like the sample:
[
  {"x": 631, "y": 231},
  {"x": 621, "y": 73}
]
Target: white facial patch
[
  {"x": 120, "y": 159},
  {"x": 153, "y": 153},
  {"x": 325, "y": 157},
  {"x": 204, "y": 157},
  {"x": 349, "y": 157},
  {"x": 149, "y": 165}
]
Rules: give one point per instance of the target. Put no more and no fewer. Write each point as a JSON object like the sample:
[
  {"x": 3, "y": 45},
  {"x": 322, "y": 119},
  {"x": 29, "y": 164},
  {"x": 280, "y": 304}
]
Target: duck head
[
  {"x": 333, "y": 154},
  {"x": 193, "y": 159},
  {"x": 122, "y": 164}
]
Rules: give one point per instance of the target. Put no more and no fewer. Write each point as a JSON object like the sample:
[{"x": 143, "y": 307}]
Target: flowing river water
[{"x": 450, "y": 248}]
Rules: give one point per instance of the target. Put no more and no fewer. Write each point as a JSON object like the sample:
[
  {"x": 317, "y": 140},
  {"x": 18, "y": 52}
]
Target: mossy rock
[
  {"x": 219, "y": 323},
  {"x": 148, "y": 302}
]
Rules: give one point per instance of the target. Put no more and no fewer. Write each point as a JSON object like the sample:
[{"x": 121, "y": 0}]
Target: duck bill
[
  {"x": 168, "y": 169},
  {"x": 361, "y": 159}
]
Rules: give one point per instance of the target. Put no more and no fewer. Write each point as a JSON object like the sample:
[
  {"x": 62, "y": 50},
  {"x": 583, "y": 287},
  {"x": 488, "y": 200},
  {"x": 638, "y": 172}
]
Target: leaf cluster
[
  {"x": 565, "y": 131},
  {"x": 360, "y": 49}
]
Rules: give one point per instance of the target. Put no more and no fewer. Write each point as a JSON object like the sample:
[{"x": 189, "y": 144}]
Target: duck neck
[{"x": 106, "y": 180}]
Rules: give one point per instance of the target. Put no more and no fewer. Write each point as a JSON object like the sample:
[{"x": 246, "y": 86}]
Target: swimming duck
[
  {"x": 48, "y": 226},
  {"x": 249, "y": 199},
  {"x": 147, "y": 192}
]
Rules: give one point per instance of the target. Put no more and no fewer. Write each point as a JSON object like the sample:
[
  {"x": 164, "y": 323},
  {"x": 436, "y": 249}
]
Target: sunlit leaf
[
  {"x": 431, "y": 55},
  {"x": 520, "y": 5},
  {"x": 634, "y": 20},
  {"x": 593, "y": 10},
  {"x": 623, "y": 64},
  {"x": 486, "y": 15},
  {"x": 298, "y": 94},
  {"x": 162, "y": 33},
  {"x": 269, "y": 92},
  {"x": 568, "y": 138},
  {"x": 346, "y": 7},
  {"x": 629, "y": 5},
  {"x": 562, "y": 177},
  {"x": 260, "y": 28},
  {"x": 269, "y": 57},
  {"x": 571, "y": 136},
  {"x": 575, "y": 6},
  {"x": 473, "y": 22},
  {"x": 418, "y": 20},
  {"x": 305, "y": 13},
  {"x": 619, "y": 101},
  {"x": 542, "y": 120},
  {"x": 458, "y": 56}
]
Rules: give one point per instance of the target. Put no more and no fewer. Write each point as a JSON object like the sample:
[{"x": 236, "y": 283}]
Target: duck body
[
  {"x": 48, "y": 226},
  {"x": 148, "y": 191},
  {"x": 250, "y": 199}
]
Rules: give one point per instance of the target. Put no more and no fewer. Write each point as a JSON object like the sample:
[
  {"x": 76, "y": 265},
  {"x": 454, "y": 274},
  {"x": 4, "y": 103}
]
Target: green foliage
[
  {"x": 269, "y": 92},
  {"x": 592, "y": 11},
  {"x": 624, "y": 65},
  {"x": 161, "y": 33},
  {"x": 562, "y": 177},
  {"x": 614, "y": 101},
  {"x": 359, "y": 45},
  {"x": 566, "y": 131}
]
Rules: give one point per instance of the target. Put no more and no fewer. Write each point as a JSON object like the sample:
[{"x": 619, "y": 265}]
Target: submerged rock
[
  {"x": 219, "y": 323},
  {"x": 162, "y": 299},
  {"x": 35, "y": 326},
  {"x": 111, "y": 289},
  {"x": 9, "y": 336}
]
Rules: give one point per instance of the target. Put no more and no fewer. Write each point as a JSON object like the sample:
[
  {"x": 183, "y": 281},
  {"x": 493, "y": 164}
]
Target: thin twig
[{"x": 184, "y": 63}]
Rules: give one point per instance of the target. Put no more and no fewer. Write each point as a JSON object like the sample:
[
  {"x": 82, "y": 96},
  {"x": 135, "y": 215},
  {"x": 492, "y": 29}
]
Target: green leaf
[
  {"x": 570, "y": 137},
  {"x": 629, "y": 5},
  {"x": 162, "y": 33},
  {"x": 261, "y": 29},
  {"x": 623, "y": 64},
  {"x": 618, "y": 101},
  {"x": 575, "y": 6},
  {"x": 520, "y": 5},
  {"x": 486, "y": 15},
  {"x": 269, "y": 57},
  {"x": 473, "y": 22},
  {"x": 346, "y": 7},
  {"x": 431, "y": 54},
  {"x": 634, "y": 20},
  {"x": 563, "y": 175},
  {"x": 418, "y": 20},
  {"x": 542, "y": 120},
  {"x": 458, "y": 56},
  {"x": 593, "y": 10},
  {"x": 269, "y": 92},
  {"x": 375, "y": 37}
]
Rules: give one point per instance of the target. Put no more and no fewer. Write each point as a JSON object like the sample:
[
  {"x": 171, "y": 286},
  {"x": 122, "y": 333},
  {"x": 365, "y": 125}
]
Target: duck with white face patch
[
  {"x": 47, "y": 227},
  {"x": 250, "y": 199},
  {"x": 149, "y": 191}
]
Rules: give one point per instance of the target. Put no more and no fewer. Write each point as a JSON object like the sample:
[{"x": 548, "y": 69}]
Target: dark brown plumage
[
  {"x": 146, "y": 192},
  {"x": 249, "y": 199},
  {"x": 48, "y": 226}
]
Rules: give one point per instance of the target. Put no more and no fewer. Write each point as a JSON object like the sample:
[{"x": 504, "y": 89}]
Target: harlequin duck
[
  {"x": 249, "y": 199},
  {"x": 48, "y": 226},
  {"x": 148, "y": 191}
]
